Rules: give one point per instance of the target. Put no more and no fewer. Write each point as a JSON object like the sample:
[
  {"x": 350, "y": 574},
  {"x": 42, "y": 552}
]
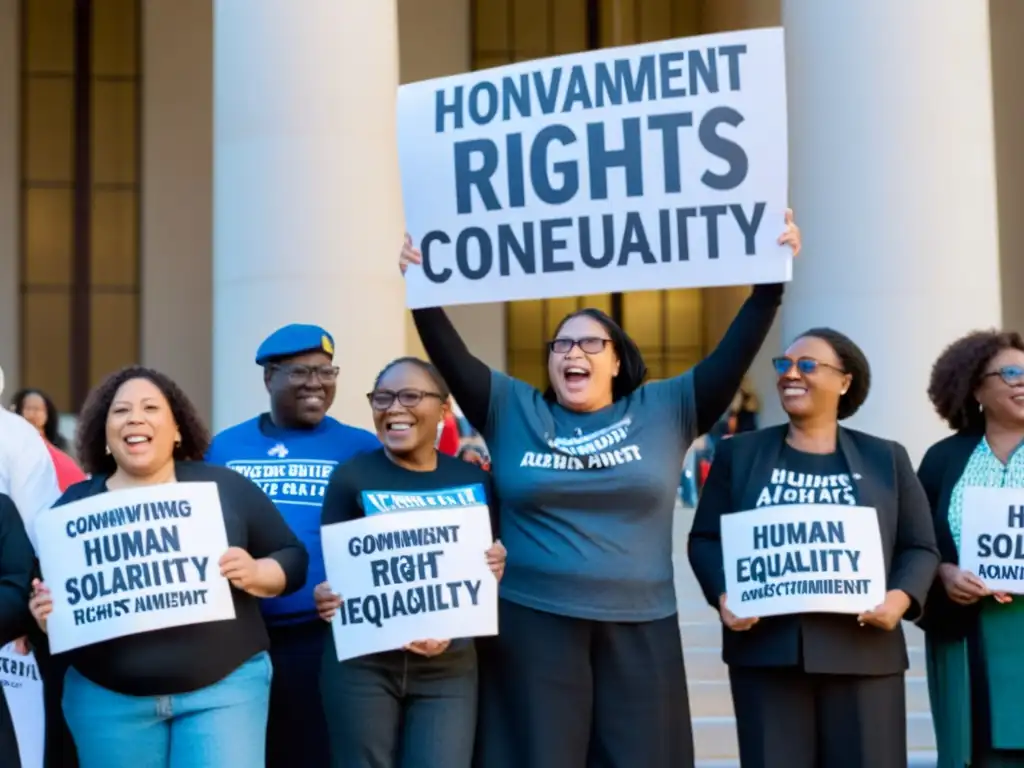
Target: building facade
[{"x": 179, "y": 177}]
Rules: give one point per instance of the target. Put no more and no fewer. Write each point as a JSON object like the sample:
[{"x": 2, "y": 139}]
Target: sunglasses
[
  {"x": 1011, "y": 374},
  {"x": 382, "y": 399},
  {"x": 805, "y": 365}
]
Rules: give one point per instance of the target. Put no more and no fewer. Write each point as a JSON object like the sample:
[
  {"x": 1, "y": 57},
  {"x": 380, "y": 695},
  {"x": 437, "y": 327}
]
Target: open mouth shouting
[{"x": 576, "y": 377}]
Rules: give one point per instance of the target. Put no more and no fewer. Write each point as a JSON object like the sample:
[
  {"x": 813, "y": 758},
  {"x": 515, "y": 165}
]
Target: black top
[
  {"x": 17, "y": 562},
  {"x": 175, "y": 660},
  {"x": 374, "y": 471},
  {"x": 716, "y": 379},
  {"x": 807, "y": 478},
  {"x": 940, "y": 471},
  {"x": 881, "y": 476}
]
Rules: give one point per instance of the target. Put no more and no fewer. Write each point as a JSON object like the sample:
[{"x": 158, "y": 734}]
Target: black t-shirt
[
  {"x": 370, "y": 476},
  {"x": 182, "y": 659},
  {"x": 808, "y": 478},
  {"x": 375, "y": 472}
]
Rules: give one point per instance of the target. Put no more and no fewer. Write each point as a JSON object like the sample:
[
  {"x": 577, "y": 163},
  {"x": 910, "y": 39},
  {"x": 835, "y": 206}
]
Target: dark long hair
[
  {"x": 92, "y": 422},
  {"x": 51, "y": 430},
  {"x": 632, "y": 369}
]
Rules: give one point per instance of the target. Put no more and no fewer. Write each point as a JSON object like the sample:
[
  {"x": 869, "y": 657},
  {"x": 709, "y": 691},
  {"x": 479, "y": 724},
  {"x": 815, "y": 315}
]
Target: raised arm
[
  {"x": 717, "y": 377},
  {"x": 468, "y": 377}
]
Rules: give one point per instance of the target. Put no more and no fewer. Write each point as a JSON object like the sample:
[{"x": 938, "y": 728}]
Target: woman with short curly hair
[
  {"x": 819, "y": 689},
  {"x": 193, "y": 695},
  {"x": 975, "y": 669}
]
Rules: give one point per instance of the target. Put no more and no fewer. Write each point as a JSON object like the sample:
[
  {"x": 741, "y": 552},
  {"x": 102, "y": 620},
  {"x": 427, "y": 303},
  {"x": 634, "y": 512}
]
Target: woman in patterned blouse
[{"x": 975, "y": 669}]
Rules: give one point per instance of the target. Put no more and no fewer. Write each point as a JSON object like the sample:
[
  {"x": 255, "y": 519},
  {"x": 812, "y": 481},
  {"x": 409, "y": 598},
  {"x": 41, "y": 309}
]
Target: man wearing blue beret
[{"x": 290, "y": 453}]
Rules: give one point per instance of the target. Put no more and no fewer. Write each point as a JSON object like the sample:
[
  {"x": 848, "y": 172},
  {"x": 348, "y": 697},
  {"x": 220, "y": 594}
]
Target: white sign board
[
  {"x": 652, "y": 166},
  {"x": 803, "y": 558},
  {"x": 133, "y": 561},
  {"x": 412, "y": 575},
  {"x": 992, "y": 537},
  {"x": 23, "y": 689}
]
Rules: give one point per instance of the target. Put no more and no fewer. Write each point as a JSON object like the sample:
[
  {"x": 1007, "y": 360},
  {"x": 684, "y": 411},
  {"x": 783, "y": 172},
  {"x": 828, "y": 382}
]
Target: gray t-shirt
[{"x": 587, "y": 499}]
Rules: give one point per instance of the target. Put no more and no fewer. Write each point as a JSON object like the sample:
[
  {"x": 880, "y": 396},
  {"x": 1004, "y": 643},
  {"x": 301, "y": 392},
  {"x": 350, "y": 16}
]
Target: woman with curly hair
[
  {"x": 819, "y": 690},
  {"x": 972, "y": 634},
  {"x": 190, "y": 696}
]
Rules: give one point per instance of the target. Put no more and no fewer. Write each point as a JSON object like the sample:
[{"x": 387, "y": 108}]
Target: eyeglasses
[
  {"x": 1011, "y": 374},
  {"x": 300, "y": 374},
  {"x": 805, "y": 365},
  {"x": 382, "y": 399},
  {"x": 590, "y": 345}
]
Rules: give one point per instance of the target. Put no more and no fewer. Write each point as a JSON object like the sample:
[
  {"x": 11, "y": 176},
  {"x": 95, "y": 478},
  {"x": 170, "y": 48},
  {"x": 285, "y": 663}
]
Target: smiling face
[
  {"x": 581, "y": 376},
  {"x": 301, "y": 389},
  {"x": 1001, "y": 391},
  {"x": 141, "y": 431},
  {"x": 407, "y": 408},
  {"x": 814, "y": 381}
]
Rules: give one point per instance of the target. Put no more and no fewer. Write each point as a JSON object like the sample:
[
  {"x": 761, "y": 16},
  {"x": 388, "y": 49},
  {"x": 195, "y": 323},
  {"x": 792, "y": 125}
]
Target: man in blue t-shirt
[{"x": 290, "y": 453}]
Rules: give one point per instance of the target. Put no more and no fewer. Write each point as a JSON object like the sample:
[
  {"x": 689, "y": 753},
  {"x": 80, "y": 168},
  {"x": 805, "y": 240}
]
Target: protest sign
[
  {"x": 415, "y": 574},
  {"x": 803, "y": 558},
  {"x": 23, "y": 689},
  {"x": 992, "y": 537},
  {"x": 133, "y": 561},
  {"x": 652, "y": 166}
]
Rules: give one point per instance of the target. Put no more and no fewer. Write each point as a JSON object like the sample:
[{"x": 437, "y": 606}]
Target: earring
[{"x": 107, "y": 450}]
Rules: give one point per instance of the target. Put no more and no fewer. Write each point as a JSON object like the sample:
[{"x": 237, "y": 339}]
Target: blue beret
[{"x": 294, "y": 339}]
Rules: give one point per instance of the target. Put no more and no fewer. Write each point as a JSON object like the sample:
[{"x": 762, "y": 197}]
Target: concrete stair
[{"x": 714, "y": 728}]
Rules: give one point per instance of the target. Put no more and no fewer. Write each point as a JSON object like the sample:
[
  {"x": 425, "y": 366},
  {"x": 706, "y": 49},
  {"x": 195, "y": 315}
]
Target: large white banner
[
  {"x": 418, "y": 574},
  {"x": 803, "y": 558},
  {"x": 133, "y": 561},
  {"x": 661, "y": 165},
  {"x": 992, "y": 537},
  {"x": 23, "y": 689}
]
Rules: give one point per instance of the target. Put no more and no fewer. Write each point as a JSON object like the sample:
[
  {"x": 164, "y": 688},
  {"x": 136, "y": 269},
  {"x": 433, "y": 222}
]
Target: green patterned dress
[{"x": 1001, "y": 629}]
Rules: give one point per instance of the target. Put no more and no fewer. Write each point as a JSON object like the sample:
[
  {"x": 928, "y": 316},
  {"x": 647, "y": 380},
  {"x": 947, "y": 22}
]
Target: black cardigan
[
  {"x": 825, "y": 643},
  {"x": 939, "y": 473}
]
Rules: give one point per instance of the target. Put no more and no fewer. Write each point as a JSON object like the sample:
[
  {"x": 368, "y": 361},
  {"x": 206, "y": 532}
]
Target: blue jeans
[{"x": 223, "y": 724}]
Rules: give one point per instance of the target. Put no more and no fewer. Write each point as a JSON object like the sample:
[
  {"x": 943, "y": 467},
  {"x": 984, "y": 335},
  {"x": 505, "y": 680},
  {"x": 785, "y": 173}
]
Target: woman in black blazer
[
  {"x": 819, "y": 690},
  {"x": 972, "y": 635}
]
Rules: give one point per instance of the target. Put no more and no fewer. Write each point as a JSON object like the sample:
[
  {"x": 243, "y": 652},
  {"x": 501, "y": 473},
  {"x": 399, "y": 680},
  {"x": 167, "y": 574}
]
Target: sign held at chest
[{"x": 803, "y": 558}]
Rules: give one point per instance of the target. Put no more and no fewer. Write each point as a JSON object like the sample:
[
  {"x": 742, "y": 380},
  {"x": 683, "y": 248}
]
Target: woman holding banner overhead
[
  {"x": 415, "y": 706},
  {"x": 972, "y": 633},
  {"x": 586, "y": 475},
  {"x": 819, "y": 690},
  {"x": 188, "y": 696}
]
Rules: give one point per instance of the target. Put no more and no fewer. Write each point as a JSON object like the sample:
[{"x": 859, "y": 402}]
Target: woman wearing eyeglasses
[
  {"x": 588, "y": 664},
  {"x": 972, "y": 634},
  {"x": 817, "y": 690},
  {"x": 414, "y": 706}
]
